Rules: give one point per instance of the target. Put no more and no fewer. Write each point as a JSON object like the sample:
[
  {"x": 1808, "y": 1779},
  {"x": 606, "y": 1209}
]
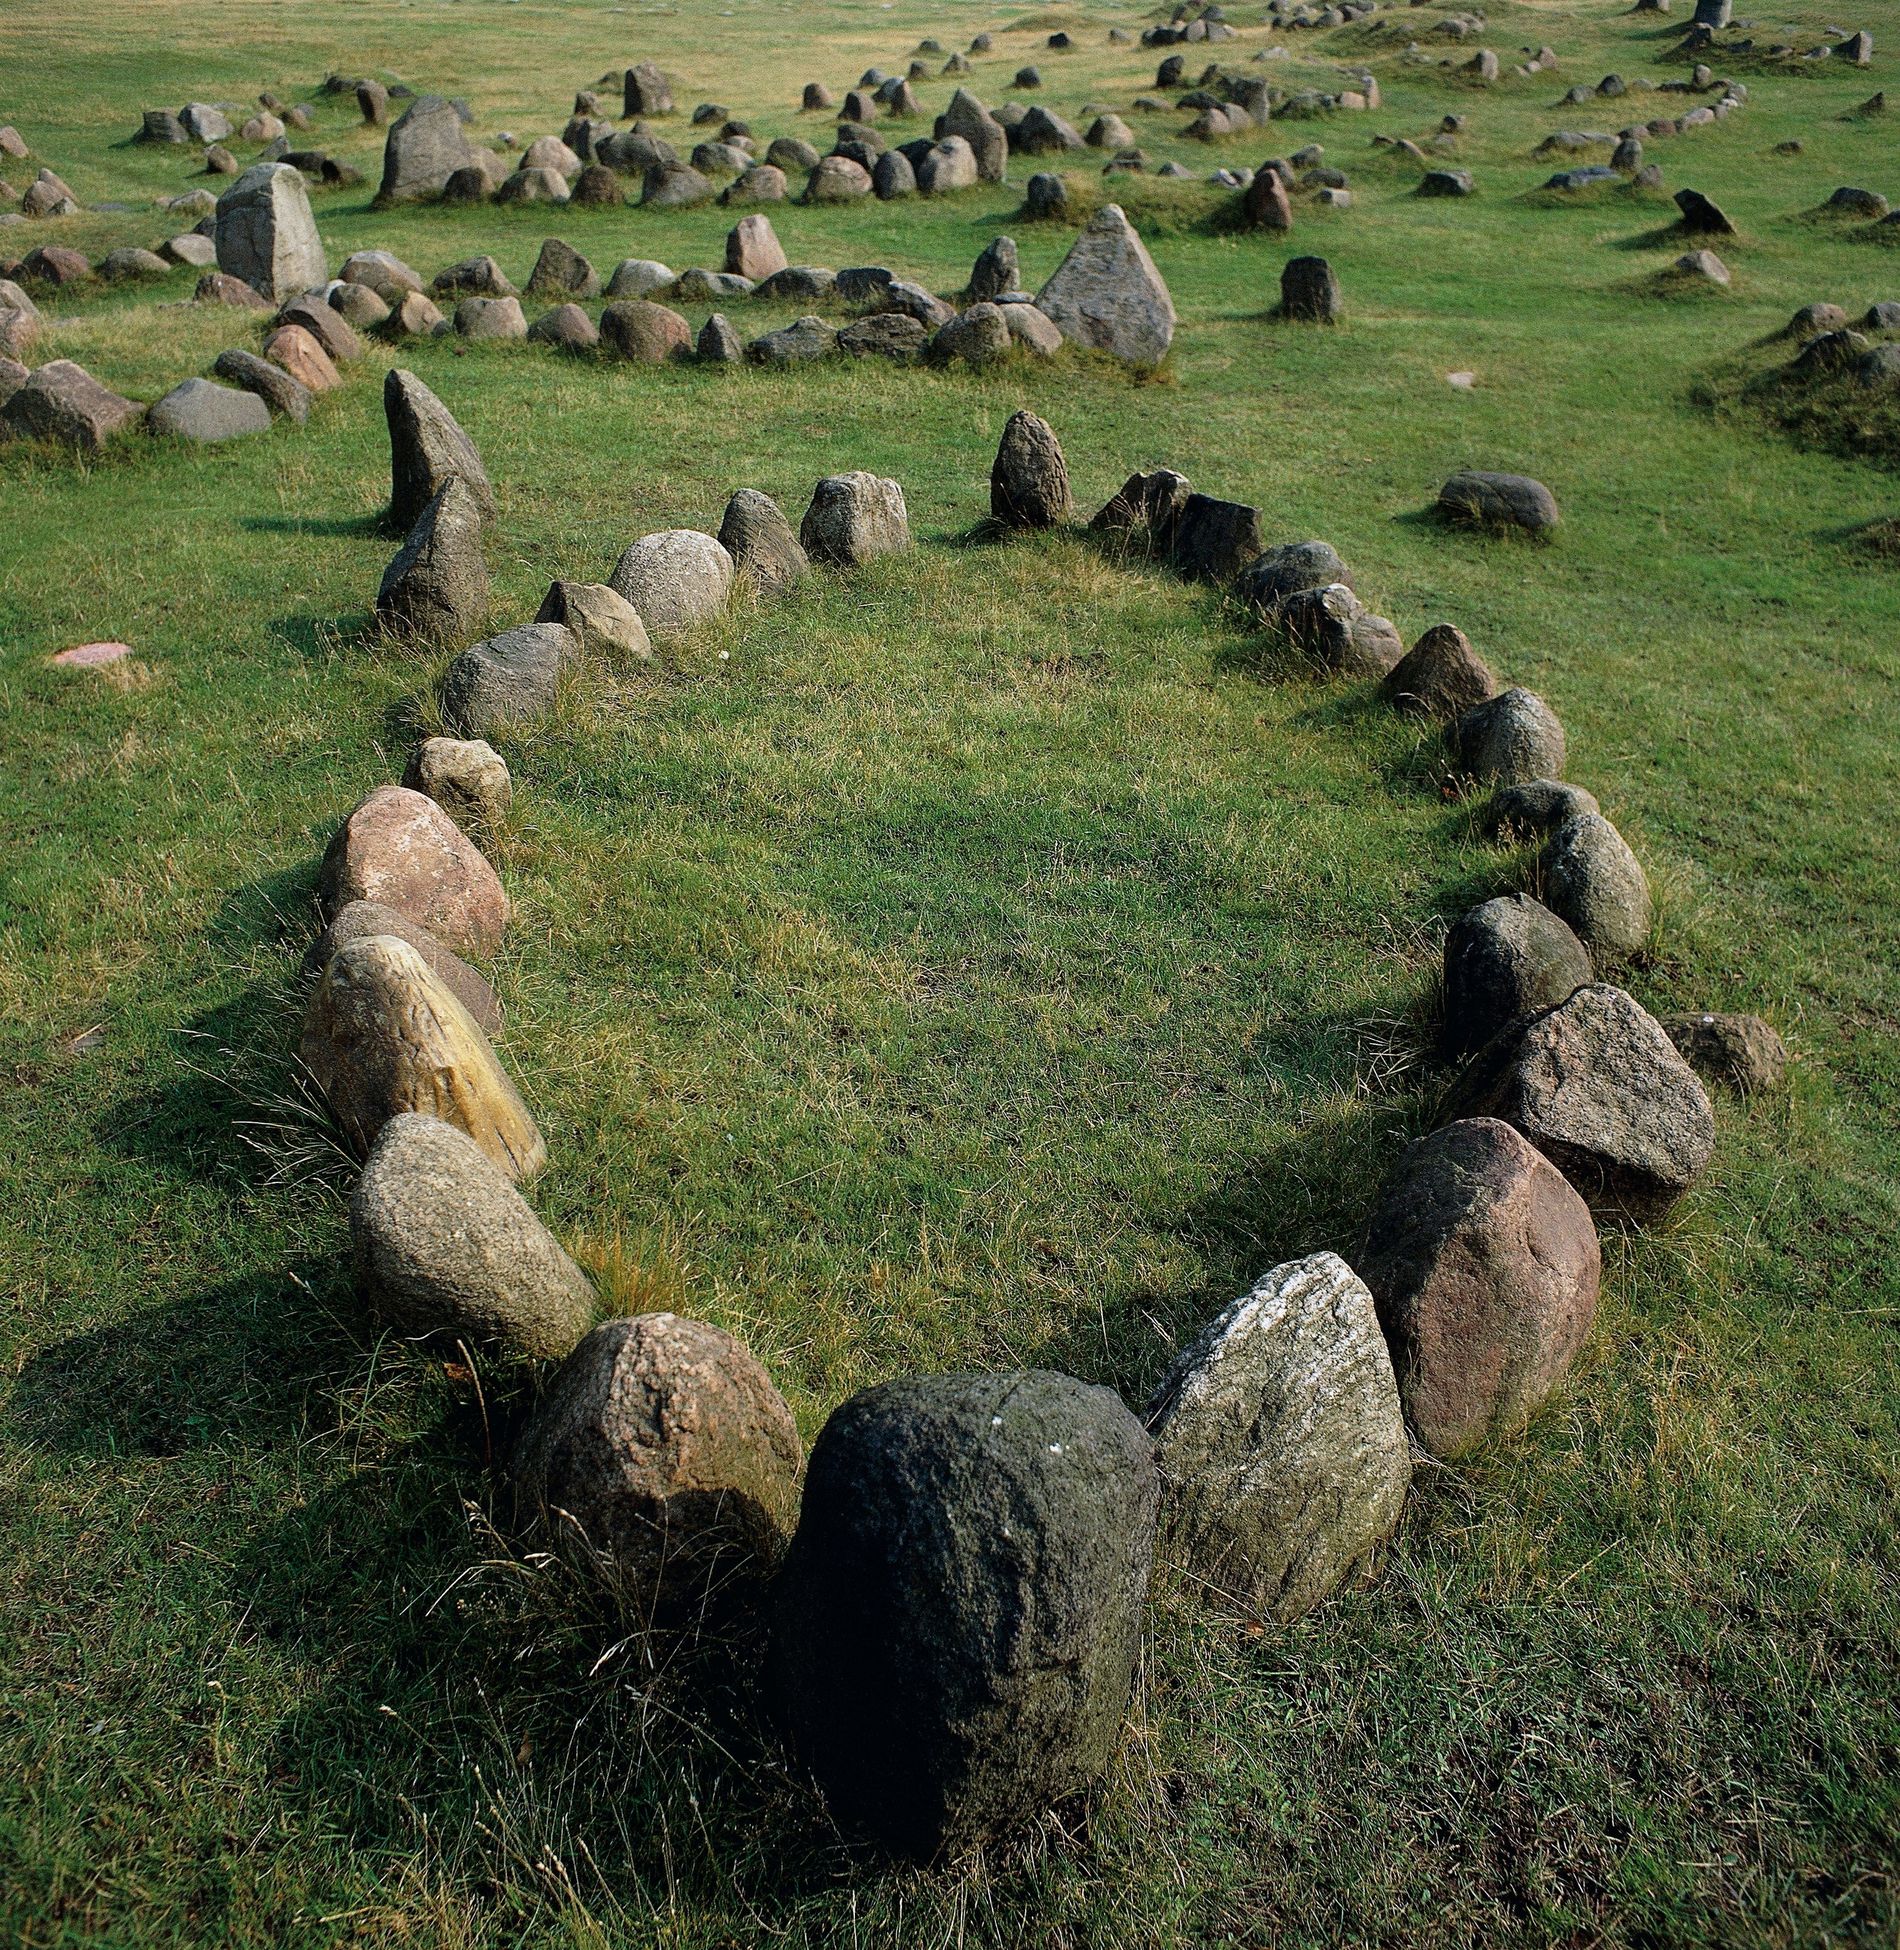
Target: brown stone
[
  {"x": 1741, "y": 1051},
  {"x": 293, "y": 348},
  {"x": 1440, "y": 677},
  {"x": 361, "y": 918},
  {"x": 399, "y": 847},
  {"x": 635, "y": 328}
]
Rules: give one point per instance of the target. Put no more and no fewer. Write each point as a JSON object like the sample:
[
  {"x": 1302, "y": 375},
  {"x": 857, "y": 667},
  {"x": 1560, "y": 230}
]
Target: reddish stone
[{"x": 400, "y": 848}]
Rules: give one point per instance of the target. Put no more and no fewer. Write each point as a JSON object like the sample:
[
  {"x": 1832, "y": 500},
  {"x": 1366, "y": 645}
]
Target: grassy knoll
[{"x": 984, "y": 960}]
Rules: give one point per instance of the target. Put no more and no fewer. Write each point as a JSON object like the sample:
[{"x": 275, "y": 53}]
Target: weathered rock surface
[
  {"x": 435, "y": 590},
  {"x": 1595, "y": 882},
  {"x": 1215, "y": 539},
  {"x": 427, "y": 447},
  {"x": 854, "y": 518},
  {"x": 201, "y": 411},
  {"x": 266, "y": 233},
  {"x": 677, "y": 579},
  {"x": 600, "y": 619},
  {"x": 63, "y": 403},
  {"x": 755, "y": 533},
  {"x": 1144, "y": 513},
  {"x": 443, "y": 1243},
  {"x": 1029, "y": 479},
  {"x": 363, "y": 918},
  {"x": 662, "y": 1455},
  {"x": 466, "y": 777},
  {"x": 424, "y": 148},
  {"x": 506, "y": 681},
  {"x": 383, "y": 1035},
  {"x": 1334, "y": 630},
  {"x": 955, "y": 1631},
  {"x": 401, "y": 849},
  {"x": 1534, "y": 807},
  {"x": 1107, "y": 294},
  {"x": 1440, "y": 677},
  {"x": 1741, "y": 1051},
  {"x": 1498, "y": 501},
  {"x": 1511, "y": 738},
  {"x": 1281, "y": 1444},
  {"x": 1507, "y": 958},
  {"x": 650, "y": 334}
]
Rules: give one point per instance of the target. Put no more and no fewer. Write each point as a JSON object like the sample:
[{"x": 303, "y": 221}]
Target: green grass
[{"x": 990, "y": 961}]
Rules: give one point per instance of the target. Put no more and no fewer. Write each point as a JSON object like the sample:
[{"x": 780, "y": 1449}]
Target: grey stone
[
  {"x": 1046, "y": 198},
  {"x": 947, "y": 166},
  {"x": 1270, "y": 578},
  {"x": 935, "y": 1509},
  {"x": 718, "y": 342},
  {"x": 988, "y": 140},
  {"x": 201, "y": 411},
  {"x": 425, "y": 146},
  {"x": 1281, "y": 1444},
  {"x": 1507, "y": 958},
  {"x": 753, "y": 249},
  {"x": 1143, "y": 515},
  {"x": 1334, "y": 630},
  {"x": 674, "y": 186},
  {"x": 800, "y": 343},
  {"x": 977, "y": 337},
  {"x": 640, "y": 277},
  {"x": 854, "y": 518},
  {"x": 507, "y": 680},
  {"x": 62, "y": 403},
  {"x": 443, "y": 1244},
  {"x": 466, "y": 777},
  {"x": 893, "y": 335},
  {"x": 266, "y": 234},
  {"x": 1309, "y": 290},
  {"x": 1489, "y": 500},
  {"x": 1214, "y": 539},
  {"x": 1534, "y": 807},
  {"x": 995, "y": 271},
  {"x": 603, "y": 624},
  {"x": 1594, "y": 882},
  {"x": 755, "y": 533},
  {"x": 1741, "y": 1051},
  {"x": 1440, "y": 677},
  {"x": 677, "y": 579},
  {"x": 566, "y": 327},
  {"x": 1029, "y": 479},
  {"x": 280, "y": 393},
  {"x": 1107, "y": 294},
  {"x": 562, "y": 272},
  {"x": 436, "y": 588},
  {"x": 1510, "y": 738}
]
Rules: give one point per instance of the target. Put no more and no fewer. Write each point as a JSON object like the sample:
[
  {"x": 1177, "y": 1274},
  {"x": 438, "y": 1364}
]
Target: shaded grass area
[{"x": 985, "y": 961}]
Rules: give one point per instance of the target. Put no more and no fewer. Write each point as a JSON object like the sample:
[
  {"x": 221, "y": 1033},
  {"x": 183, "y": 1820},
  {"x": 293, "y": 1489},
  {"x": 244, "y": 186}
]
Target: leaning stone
[
  {"x": 1700, "y": 217},
  {"x": 1741, "y": 1051},
  {"x": 1507, "y": 958},
  {"x": 936, "y": 1507},
  {"x": 362, "y": 918},
  {"x": 1440, "y": 677},
  {"x": 1594, "y": 881},
  {"x": 466, "y": 777},
  {"x": 298, "y": 352},
  {"x": 1603, "y": 1093},
  {"x": 854, "y": 518},
  {"x": 443, "y": 1243},
  {"x": 64, "y": 404},
  {"x": 426, "y": 448},
  {"x": 435, "y": 590},
  {"x": 1702, "y": 265},
  {"x": 1144, "y": 513},
  {"x": 662, "y": 1456},
  {"x": 266, "y": 234},
  {"x": 1214, "y": 539},
  {"x": 1484, "y": 1265},
  {"x": 1029, "y": 479},
  {"x": 202, "y": 411},
  {"x": 1107, "y": 294},
  {"x": 400, "y": 848},
  {"x": 755, "y": 533},
  {"x": 1281, "y": 1443},
  {"x": 506, "y": 680},
  {"x": 677, "y": 579},
  {"x": 383, "y": 1035},
  {"x": 325, "y": 324},
  {"x": 603, "y": 624},
  {"x": 1510, "y": 738}
]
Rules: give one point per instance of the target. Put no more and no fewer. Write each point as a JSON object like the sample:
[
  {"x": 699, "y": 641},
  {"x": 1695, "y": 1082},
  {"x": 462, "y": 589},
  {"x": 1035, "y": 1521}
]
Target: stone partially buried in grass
[
  {"x": 426, "y": 448},
  {"x": 466, "y": 777},
  {"x": 1440, "y": 677},
  {"x": 201, "y": 411},
  {"x": 399, "y": 847},
  {"x": 1280, "y": 1442},
  {"x": 507, "y": 681},
  {"x": 1029, "y": 479},
  {"x": 662, "y": 1455},
  {"x": 435, "y": 590},
  {"x": 64, "y": 404},
  {"x": 600, "y": 619},
  {"x": 1509, "y": 738},
  {"x": 443, "y": 1244},
  {"x": 1483, "y": 500},
  {"x": 676, "y": 580},
  {"x": 955, "y": 1631},
  {"x": 853, "y": 518},
  {"x": 755, "y": 533},
  {"x": 1742, "y": 1051},
  {"x": 383, "y": 1034},
  {"x": 1484, "y": 1266}
]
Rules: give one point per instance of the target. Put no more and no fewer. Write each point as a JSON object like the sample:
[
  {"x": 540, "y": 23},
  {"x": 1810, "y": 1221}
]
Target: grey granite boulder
[
  {"x": 853, "y": 518},
  {"x": 426, "y": 447},
  {"x": 435, "y": 590},
  {"x": 1510, "y": 738},
  {"x": 201, "y": 411},
  {"x": 1595, "y": 882},
  {"x": 266, "y": 233},
  {"x": 1503, "y": 959},
  {"x": 755, "y": 533},
  {"x": 1440, "y": 677},
  {"x": 1484, "y": 500},
  {"x": 1029, "y": 479},
  {"x": 506, "y": 680},
  {"x": 1107, "y": 295},
  {"x": 677, "y": 579}
]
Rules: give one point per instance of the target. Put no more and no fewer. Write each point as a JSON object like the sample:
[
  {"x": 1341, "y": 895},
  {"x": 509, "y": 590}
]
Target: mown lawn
[{"x": 987, "y": 959}]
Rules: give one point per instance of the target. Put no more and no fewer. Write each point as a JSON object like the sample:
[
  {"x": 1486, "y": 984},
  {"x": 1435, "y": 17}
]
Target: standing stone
[
  {"x": 424, "y": 148},
  {"x": 1510, "y": 738},
  {"x": 1214, "y": 539},
  {"x": 436, "y": 588},
  {"x": 372, "y": 102},
  {"x": 1029, "y": 480},
  {"x": 753, "y": 249},
  {"x": 995, "y": 271},
  {"x": 648, "y": 334},
  {"x": 755, "y": 533},
  {"x": 383, "y": 1035},
  {"x": 266, "y": 234},
  {"x": 1264, "y": 203},
  {"x": 1107, "y": 293},
  {"x": 562, "y": 272},
  {"x": 955, "y": 1631},
  {"x": 1281, "y": 1443},
  {"x": 1507, "y": 958},
  {"x": 603, "y": 624},
  {"x": 1484, "y": 1266},
  {"x": 719, "y": 342},
  {"x": 1604, "y": 1094},
  {"x": 1440, "y": 677},
  {"x": 646, "y": 91},
  {"x": 1595, "y": 882},
  {"x": 1309, "y": 290},
  {"x": 443, "y": 1243},
  {"x": 466, "y": 777},
  {"x": 988, "y": 140},
  {"x": 854, "y": 518},
  {"x": 359, "y": 919},
  {"x": 401, "y": 849},
  {"x": 426, "y": 448},
  {"x": 1700, "y": 217},
  {"x": 1498, "y": 501},
  {"x": 676, "y": 579},
  {"x": 507, "y": 680},
  {"x": 662, "y": 1456},
  {"x": 1046, "y": 198}
]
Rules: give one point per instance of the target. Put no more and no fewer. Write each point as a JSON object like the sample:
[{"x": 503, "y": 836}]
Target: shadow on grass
[{"x": 331, "y": 525}]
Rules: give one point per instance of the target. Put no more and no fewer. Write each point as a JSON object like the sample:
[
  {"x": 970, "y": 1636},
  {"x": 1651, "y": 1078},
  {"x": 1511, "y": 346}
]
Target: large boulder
[
  {"x": 435, "y": 590},
  {"x": 1510, "y": 738},
  {"x": 648, "y": 334},
  {"x": 1507, "y": 958},
  {"x": 1281, "y": 1444},
  {"x": 201, "y": 411},
  {"x": 426, "y": 448},
  {"x": 506, "y": 681},
  {"x": 1440, "y": 677},
  {"x": 755, "y": 533},
  {"x": 1484, "y": 500},
  {"x": 661, "y": 1455},
  {"x": 853, "y": 518},
  {"x": 400, "y": 848},
  {"x": 362, "y": 918},
  {"x": 1029, "y": 479},
  {"x": 443, "y": 1244},
  {"x": 1602, "y": 1092},
  {"x": 1107, "y": 294},
  {"x": 955, "y": 1631},
  {"x": 1597, "y": 884},
  {"x": 383, "y": 1035},
  {"x": 61, "y": 402},
  {"x": 676, "y": 579},
  {"x": 266, "y": 233},
  {"x": 424, "y": 148},
  {"x": 1484, "y": 1265}
]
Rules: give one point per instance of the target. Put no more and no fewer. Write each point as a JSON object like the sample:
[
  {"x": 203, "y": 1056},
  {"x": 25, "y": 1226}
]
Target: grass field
[{"x": 983, "y": 960}]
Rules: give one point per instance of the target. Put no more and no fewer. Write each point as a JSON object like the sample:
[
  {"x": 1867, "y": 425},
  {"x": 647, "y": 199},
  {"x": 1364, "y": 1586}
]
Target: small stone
[
  {"x": 639, "y": 277},
  {"x": 1534, "y": 807},
  {"x": 562, "y": 272},
  {"x": 1700, "y": 217},
  {"x": 891, "y": 335},
  {"x": 490, "y": 318},
  {"x": 1507, "y": 958},
  {"x": 400, "y": 849},
  {"x": 1440, "y": 677},
  {"x": 753, "y": 249},
  {"x": 649, "y": 334},
  {"x": 1288, "y": 570},
  {"x": 1046, "y": 198},
  {"x": 603, "y": 624},
  {"x": 567, "y": 328},
  {"x": 662, "y": 1455},
  {"x": 1593, "y": 880},
  {"x": 995, "y": 271},
  {"x": 837, "y": 179},
  {"x": 1741, "y": 1051},
  {"x": 298, "y": 352},
  {"x": 121, "y": 266},
  {"x": 977, "y": 337},
  {"x": 854, "y": 518},
  {"x": 325, "y": 324},
  {"x": 1703, "y": 265},
  {"x": 755, "y": 533},
  {"x": 215, "y": 288},
  {"x": 1334, "y": 629},
  {"x": 1510, "y": 738},
  {"x": 466, "y": 777},
  {"x": 676, "y": 579},
  {"x": 1498, "y": 501},
  {"x": 1144, "y": 513},
  {"x": 1484, "y": 1266},
  {"x": 201, "y": 411},
  {"x": 508, "y": 680},
  {"x": 718, "y": 342},
  {"x": 800, "y": 343},
  {"x": 383, "y": 1035},
  {"x": 1029, "y": 480},
  {"x": 1281, "y": 1443}
]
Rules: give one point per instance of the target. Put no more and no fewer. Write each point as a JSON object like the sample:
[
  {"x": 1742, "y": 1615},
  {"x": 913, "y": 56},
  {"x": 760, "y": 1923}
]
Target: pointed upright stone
[
  {"x": 426, "y": 448},
  {"x": 266, "y": 234},
  {"x": 1107, "y": 294}
]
